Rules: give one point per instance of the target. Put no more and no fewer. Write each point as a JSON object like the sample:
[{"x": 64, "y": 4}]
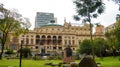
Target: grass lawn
[
  {"x": 106, "y": 62},
  {"x": 26, "y": 63},
  {"x": 109, "y": 61}
]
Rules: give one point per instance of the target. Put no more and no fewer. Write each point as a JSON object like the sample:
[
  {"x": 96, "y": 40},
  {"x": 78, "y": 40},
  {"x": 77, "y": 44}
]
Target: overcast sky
[{"x": 60, "y": 8}]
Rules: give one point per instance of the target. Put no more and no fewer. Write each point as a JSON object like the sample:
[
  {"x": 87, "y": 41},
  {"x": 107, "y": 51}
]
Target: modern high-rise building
[{"x": 43, "y": 18}]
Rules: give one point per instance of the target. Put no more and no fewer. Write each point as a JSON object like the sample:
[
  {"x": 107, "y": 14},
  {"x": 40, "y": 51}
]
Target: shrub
[
  {"x": 9, "y": 51},
  {"x": 37, "y": 57},
  {"x": 74, "y": 65},
  {"x": 25, "y": 52}
]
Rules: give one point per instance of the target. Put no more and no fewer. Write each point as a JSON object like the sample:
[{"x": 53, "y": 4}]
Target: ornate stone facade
[
  {"x": 110, "y": 27},
  {"x": 54, "y": 38}
]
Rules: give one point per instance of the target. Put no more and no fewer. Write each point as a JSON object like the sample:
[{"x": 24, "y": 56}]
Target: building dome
[{"x": 52, "y": 24}]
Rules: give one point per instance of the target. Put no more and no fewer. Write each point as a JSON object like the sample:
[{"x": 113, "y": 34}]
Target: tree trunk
[
  {"x": 3, "y": 41},
  {"x": 91, "y": 37},
  {"x": 2, "y": 50}
]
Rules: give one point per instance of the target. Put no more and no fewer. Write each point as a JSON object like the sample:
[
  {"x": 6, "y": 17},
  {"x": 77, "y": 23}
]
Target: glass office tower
[{"x": 43, "y": 19}]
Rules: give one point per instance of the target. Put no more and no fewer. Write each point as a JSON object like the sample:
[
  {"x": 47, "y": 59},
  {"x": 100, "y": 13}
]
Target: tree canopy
[
  {"x": 100, "y": 46},
  {"x": 86, "y": 10},
  {"x": 89, "y": 8},
  {"x": 11, "y": 21},
  {"x": 85, "y": 47}
]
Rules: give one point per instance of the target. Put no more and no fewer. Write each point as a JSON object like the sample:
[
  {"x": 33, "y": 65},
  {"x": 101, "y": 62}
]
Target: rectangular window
[
  {"x": 73, "y": 42},
  {"x": 31, "y": 41},
  {"x": 66, "y": 42},
  {"x": 69, "y": 42},
  {"x": 27, "y": 41},
  {"x": 79, "y": 42},
  {"x": 54, "y": 48},
  {"x": 60, "y": 48}
]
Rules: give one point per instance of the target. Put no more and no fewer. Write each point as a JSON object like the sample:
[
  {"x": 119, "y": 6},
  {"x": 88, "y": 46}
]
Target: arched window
[
  {"x": 37, "y": 39},
  {"x": 48, "y": 39},
  {"x": 59, "y": 39},
  {"x": 42, "y": 41},
  {"x": 27, "y": 41},
  {"x": 31, "y": 41},
  {"x": 54, "y": 40}
]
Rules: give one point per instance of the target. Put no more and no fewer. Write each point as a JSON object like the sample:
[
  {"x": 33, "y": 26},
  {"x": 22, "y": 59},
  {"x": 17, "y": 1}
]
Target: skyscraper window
[{"x": 43, "y": 19}]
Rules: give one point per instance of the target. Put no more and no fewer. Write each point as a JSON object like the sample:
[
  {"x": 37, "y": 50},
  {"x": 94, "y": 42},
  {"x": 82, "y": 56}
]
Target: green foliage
[
  {"x": 11, "y": 22},
  {"x": 113, "y": 39},
  {"x": 51, "y": 58},
  {"x": 100, "y": 46},
  {"x": 85, "y": 47},
  {"x": 117, "y": 32},
  {"x": 37, "y": 57},
  {"x": 58, "y": 57},
  {"x": 74, "y": 65},
  {"x": 77, "y": 57},
  {"x": 26, "y": 52},
  {"x": 76, "y": 18},
  {"x": 89, "y": 8},
  {"x": 9, "y": 51},
  {"x": 117, "y": 17}
]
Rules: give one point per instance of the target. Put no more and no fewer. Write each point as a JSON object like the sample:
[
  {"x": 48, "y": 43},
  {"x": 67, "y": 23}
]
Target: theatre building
[{"x": 54, "y": 38}]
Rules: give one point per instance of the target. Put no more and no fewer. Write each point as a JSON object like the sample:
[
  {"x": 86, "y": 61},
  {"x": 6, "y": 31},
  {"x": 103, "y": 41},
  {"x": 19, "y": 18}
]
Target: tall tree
[
  {"x": 111, "y": 39},
  {"x": 117, "y": 29},
  {"x": 100, "y": 46},
  {"x": 117, "y": 32},
  {"x": 85, "y": 47},
  {"x": 88, "y": 9},
  {"x": 11, "y": 21}
]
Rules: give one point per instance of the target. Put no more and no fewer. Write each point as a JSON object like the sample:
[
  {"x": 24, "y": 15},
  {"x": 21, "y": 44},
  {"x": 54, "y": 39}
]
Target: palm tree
[{"x": 88, "y": 9}]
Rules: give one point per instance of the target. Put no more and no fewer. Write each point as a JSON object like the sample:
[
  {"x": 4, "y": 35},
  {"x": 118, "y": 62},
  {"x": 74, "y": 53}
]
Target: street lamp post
[{"x": 21, "y": 53}]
